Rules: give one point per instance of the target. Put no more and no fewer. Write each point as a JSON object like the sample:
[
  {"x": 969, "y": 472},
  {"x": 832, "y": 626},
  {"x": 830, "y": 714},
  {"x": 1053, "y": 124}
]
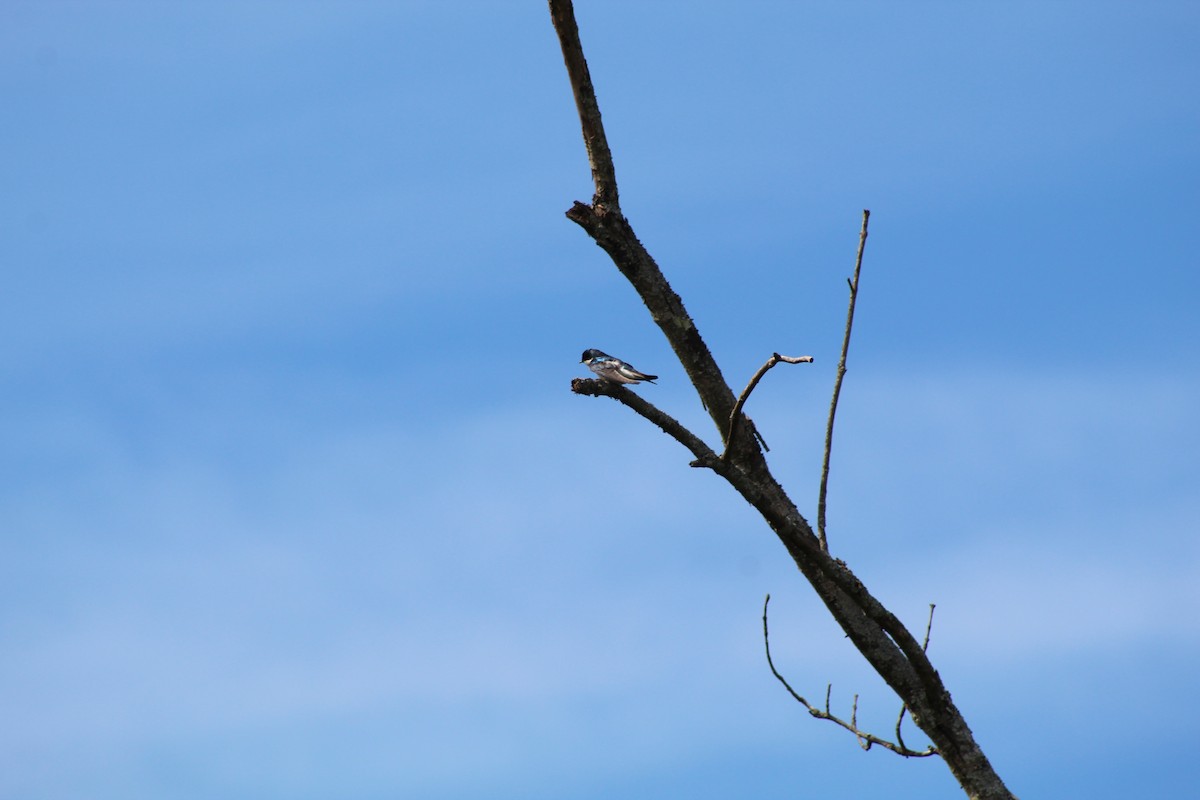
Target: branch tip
[{"x": 735, "y": 415}]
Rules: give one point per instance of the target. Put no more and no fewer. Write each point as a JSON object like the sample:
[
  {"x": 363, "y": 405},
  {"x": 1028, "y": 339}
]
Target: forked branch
[
  {"x": 891, "y": 649},
  {"x": 736, "y": 415},
  {"x": 865, "y": 738},
  {"x": 924, "y": 648}
]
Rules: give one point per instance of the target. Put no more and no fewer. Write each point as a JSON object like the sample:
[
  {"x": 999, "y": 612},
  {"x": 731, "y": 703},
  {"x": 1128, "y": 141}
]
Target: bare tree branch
[
  {"x": 925, "y": 647},
  {"x": 837, "y": 383},
  {"x": 865, "y": 739},
  {"x": 610, "y": 230},
  {"x": 669, "y": 425},
  {"x": 604, "y": 173},
  {"x": 883, "y": 640},
  {"x": 734, "y": 415}
]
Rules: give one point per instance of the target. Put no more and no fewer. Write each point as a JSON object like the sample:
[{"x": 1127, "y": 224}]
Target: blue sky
[{"x": 296, "y": 502}]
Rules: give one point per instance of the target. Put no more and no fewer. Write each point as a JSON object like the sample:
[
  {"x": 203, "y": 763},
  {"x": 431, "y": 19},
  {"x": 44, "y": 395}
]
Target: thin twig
[
  {"x": 837, "y": 384},
  {"x": 928, "y": 628},
  {"x": 865, "y": 739},
  {"x": 863, "y": 743},
  {"x": 735, "y": 415},
  {"x": 771, "y": 664},
  {"x": 924, "y": 648}
]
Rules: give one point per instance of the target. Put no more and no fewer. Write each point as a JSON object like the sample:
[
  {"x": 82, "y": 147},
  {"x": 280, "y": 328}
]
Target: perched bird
[{"x": 613, "y": 369}]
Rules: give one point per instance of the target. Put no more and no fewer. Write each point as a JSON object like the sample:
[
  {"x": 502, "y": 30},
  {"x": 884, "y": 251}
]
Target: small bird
[{"x": 612, "y": 369}]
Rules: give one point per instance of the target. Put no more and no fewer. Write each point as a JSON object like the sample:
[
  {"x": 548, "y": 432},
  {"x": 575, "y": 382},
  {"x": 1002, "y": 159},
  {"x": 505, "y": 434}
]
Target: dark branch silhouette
[
  {"x": 837, "y": 383},
  {"x": 879, "y": 636},
  {"x": 925, "y": 647},
  {"x": 735, "y": 415},
  {"x": 864, "y": 738}
]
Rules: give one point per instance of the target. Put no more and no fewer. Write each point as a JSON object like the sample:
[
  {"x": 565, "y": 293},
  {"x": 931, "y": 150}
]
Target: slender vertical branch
[{"x": 837, "y": 384}]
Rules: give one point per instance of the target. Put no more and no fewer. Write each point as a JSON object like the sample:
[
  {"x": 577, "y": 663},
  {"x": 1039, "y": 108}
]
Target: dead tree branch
[
  {"x": 837, "y": 383},
  {"x": 735, "y": 415},
  {"x": 865, "y": 739},
  {"x": 669, "y": 425},
  {"x": 604, "y": 174},
  {"x": 883, "y": 640},
  {"x": 603, "y": 221},
  {"x": 925, "y": 647}
]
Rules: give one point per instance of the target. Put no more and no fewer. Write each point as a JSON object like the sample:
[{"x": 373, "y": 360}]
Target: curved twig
[
  {"x": 735, "y": 415},
  {"x": 865, "y": 738},
  {"x": 924, "y": 648}
]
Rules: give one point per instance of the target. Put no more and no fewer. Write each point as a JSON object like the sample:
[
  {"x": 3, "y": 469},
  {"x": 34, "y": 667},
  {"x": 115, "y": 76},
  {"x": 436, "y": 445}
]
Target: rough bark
[{"x": 882, "y": 639}]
